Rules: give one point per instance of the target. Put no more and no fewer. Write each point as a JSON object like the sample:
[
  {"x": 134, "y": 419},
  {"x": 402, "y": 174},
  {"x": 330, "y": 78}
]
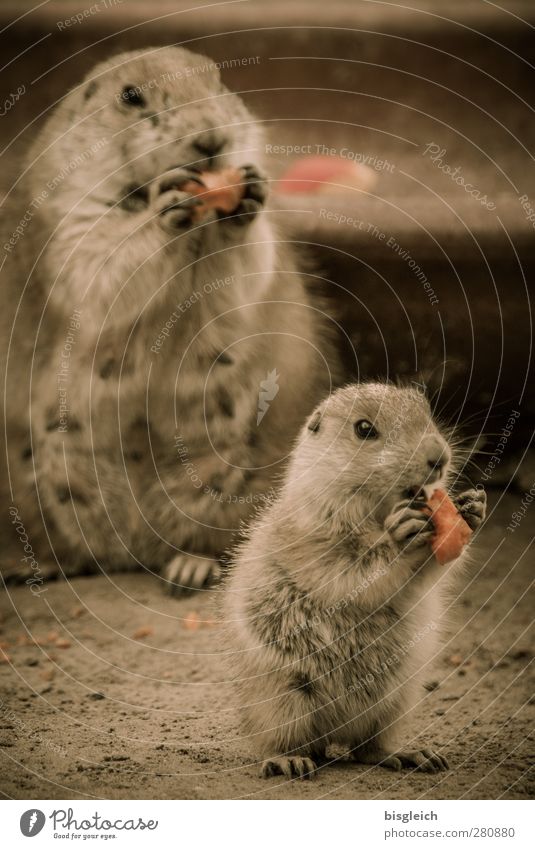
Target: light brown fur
[
  {"x": 334, "y": 603},
  {"x": 157, "y": 384}
]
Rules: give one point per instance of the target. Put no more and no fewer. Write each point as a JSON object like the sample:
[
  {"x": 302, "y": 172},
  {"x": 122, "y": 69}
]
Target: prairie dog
[
  {"x": 144, "y": 339},
  {"x": 333, "y": 603}
]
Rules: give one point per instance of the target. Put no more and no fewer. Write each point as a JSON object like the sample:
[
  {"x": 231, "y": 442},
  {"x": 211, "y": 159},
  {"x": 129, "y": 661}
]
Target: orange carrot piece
[
  {"x": 220, "y": 190},
  {"x": 452, "y": 533}
]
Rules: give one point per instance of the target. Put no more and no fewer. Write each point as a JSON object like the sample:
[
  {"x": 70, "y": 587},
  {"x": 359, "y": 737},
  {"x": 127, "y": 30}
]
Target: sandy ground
[{"x": 95, "y": 709}]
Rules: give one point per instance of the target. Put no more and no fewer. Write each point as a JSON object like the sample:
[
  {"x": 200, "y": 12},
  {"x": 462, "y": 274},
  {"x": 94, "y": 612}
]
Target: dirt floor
[{"x": 110, "y": 689}]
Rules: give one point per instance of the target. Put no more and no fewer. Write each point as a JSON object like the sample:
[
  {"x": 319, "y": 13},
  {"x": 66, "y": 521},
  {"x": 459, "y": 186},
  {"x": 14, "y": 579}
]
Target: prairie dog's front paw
[
  {"x": 177, "y": 211},
  {"x": 174, "y": 208},
  {"x": 254, "y": 196},
  {"x": 409, "y": 527},
  {"x": 472, "y": 505}
]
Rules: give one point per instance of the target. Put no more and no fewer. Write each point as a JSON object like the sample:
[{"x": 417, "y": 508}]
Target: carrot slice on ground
[{"x": 451, "y": 531}]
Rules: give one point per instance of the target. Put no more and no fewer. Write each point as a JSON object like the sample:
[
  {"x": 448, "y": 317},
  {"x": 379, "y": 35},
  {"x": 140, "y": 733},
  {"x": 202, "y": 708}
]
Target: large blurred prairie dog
[
  {"x": 334, "y": 601},
  {"x": 144, "y": 341}
]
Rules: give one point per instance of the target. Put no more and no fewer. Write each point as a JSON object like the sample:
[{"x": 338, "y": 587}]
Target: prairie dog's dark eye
[
  {"x": 365, "y": 429},
  {"x": 132, "y": 96}
]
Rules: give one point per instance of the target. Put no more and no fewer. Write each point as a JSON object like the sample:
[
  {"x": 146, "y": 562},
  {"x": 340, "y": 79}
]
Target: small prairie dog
[{"x": 334, "y": 601}]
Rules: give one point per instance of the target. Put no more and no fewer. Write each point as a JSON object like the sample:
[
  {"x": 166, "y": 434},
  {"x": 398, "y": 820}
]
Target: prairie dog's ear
[
  {"x": 314, "y": 421},
  {"x": 90, "y": 89}
]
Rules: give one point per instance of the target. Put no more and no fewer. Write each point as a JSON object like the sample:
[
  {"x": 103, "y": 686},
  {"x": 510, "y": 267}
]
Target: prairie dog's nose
[
  {"x": 210, "y": 143},
  {"x": 437, "y": 453}
]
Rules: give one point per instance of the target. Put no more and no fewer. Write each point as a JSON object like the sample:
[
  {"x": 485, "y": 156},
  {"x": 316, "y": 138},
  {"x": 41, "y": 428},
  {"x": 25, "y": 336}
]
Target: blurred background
[{"x": 435, "y": 105}]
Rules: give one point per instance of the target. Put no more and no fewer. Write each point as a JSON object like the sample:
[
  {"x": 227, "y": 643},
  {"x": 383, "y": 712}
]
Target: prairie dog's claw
[
  {"x": 472, "y": 505},
  {"x": 294, "y": 767}
]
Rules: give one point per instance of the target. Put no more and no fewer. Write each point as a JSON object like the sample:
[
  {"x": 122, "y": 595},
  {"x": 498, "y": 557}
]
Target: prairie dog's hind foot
[
  {"x": 11, "y": 571},
  {"x": 186, "y": 572},
  {"x": 291, "y": 767},
  {"x": 423, "y": 760}
]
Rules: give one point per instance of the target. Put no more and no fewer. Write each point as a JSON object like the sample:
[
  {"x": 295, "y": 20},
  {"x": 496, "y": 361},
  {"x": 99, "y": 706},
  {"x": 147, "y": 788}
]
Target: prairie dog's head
[
  {"x": 138, "y": 115},
  {"x": 365, "y": 448}
]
